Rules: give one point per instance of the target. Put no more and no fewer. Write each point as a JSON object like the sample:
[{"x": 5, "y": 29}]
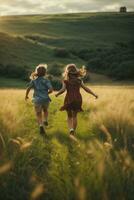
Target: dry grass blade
[
  {"x": 16, "y": 142},
  {"x": 107, "y": 145},
  {"x": 20, "y": 139},
  {"x": 5, "y": 167},
  {"x": 72, "y": 137},
  {"x": 38, "y": 191},
  {"x": 2, "y": 140},
  {"x": 82, "y": 193},
  {"x": 25, "y": 146},
  {"x": 106, "y": 132}
]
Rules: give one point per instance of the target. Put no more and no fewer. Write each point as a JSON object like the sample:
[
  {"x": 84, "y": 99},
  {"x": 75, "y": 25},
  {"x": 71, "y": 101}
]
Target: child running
[
  {"x": 73, "y": 99},
  {"x": 42, "y": 88}
]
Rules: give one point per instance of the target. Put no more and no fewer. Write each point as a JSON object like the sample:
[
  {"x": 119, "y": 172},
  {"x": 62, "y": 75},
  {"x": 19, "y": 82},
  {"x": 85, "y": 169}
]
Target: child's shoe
[
  {"x": 72, "y": 131},
  {"x": 45, "y": 123},
  {"x": 42, "y": 131}
]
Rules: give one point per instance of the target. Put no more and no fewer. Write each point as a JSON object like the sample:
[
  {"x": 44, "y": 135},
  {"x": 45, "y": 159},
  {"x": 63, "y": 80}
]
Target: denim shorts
[{"x": 41, "y": 107}]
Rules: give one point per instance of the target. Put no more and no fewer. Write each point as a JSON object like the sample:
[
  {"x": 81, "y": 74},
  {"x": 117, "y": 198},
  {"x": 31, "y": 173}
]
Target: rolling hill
[
  {"x": 78, "y": 38},
  {"x": 98, "y": 162}
]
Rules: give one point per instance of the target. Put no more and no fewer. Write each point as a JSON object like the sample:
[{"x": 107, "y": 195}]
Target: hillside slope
[
  {"x": 90, "y": 29},
  {"x": 94, "y": 39},
  {"x": 22, "y": 51},
  {"x": 18, "y": 50}
]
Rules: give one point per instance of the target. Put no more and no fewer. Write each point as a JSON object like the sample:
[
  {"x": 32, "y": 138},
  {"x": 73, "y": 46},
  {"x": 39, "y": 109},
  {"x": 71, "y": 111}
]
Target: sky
[{"x": 16, "y": 7}]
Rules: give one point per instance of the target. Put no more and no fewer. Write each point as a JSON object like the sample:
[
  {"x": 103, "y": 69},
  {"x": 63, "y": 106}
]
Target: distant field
[
  {"x": 95, "y": 80},
  {"x": 89, "y": 29},
  {"x": 71, "y": 31},
  {"x": 12, "y": 83}
]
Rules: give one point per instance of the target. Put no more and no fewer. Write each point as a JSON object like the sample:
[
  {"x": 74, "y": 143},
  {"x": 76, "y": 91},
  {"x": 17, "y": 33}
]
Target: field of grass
[
  {"x": 12, "y": 83},
  {"x": 96, "y": 165}
]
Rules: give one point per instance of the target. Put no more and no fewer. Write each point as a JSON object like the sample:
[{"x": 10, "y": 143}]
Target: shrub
[
  {"x": 2, "y": 69},
  {"x": 61, "y": 52},
  {"x": 56, "y": 82},
  {"x": 94, "y": 64},
  {"x": 14, "y": 71},
  {"x": 117, "y": 61},
  {"x": 84, "y": 54},
  {"x": 32, "y": 37},
  {"x": 55, "y": 69},
  {"x": 121, "y": 44},
  {"x": 126, "y": 70}
]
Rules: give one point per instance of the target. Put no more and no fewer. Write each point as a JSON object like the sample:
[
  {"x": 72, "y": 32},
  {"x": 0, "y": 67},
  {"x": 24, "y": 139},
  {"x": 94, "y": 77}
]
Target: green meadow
[
  {"x": 101, "y": 41},
  {"x": 29, "y": 40},
  {"x": 96, "y": 164}
]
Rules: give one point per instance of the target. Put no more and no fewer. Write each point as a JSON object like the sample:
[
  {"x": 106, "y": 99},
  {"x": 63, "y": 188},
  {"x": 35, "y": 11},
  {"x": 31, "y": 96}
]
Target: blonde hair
[
  {"x": 40, "y": 70},
  {"x": 72, "y": 71}
]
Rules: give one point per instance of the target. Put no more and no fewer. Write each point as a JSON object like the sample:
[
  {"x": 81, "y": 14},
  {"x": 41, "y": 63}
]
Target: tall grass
[{"x": 97, "y": 165}]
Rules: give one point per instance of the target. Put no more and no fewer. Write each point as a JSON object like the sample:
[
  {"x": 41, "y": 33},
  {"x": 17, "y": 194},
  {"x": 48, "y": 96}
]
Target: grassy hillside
[
  {"x": 17, "y": 50},
  {"x": 21, "y": 51},
  {"x": 73, "y": 30},
  {"x": 98, "y": 164},
  {"x": 78, "y": 38}
]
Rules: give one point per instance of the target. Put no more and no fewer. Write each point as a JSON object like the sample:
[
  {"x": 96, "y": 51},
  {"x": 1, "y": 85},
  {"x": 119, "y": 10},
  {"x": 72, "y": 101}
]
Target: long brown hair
[
  {"x": 40, "y": 70},
  {"x": 72, "y": 72}
]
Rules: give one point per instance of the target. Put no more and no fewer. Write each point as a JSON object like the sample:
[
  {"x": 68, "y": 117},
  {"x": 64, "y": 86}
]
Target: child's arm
[
  {"x": 63, "y": 89},
  {"x": 49, "y": 86},
  {"x": 50, "y": 91},
  {"x": 27, "y": 93},
  {"x": 30, "y": 86},
  {"x": 88, "y": 90}
]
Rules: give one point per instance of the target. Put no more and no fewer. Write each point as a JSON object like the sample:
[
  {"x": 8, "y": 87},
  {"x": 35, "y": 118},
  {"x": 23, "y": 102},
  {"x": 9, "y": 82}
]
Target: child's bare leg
[
  {"x": 45, "y": 111},
  {"x": 39, "y": 118},
  {"x": 69, "y": 123},
  {"x": 38, "y": 111},
  {"x": 40, "y": 122},
  {"x": 69, "y": 119},
  {"x": 74, "y": 120}
]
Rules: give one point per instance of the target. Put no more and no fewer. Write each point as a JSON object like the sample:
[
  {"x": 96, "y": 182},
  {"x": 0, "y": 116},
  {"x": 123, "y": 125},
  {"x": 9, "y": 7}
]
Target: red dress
[{"x": 73, "y": 98}]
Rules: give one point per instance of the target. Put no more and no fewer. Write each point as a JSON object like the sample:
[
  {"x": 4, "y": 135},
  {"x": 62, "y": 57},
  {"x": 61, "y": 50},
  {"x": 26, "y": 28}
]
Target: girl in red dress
[{"x": 73, "y": 99}]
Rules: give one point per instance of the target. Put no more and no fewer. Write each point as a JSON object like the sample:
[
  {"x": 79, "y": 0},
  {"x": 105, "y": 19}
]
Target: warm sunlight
[{"x": 66, "y": 100}]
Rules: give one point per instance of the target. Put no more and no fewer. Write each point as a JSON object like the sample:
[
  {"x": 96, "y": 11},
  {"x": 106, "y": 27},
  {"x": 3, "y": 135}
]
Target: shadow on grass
[
  {"x": 72, "y": 143},
  {"x": 61, "y": 137},
  {"x": 65, "y": 139}
]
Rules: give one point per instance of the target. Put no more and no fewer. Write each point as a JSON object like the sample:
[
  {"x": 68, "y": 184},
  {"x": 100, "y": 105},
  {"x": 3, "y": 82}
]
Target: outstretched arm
[
  {"x": 63, "y": 89},
  {"x": 27, "y": 93},
  {"x": 88, "y": 90},
  {"x": 50, "y": 88}
]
